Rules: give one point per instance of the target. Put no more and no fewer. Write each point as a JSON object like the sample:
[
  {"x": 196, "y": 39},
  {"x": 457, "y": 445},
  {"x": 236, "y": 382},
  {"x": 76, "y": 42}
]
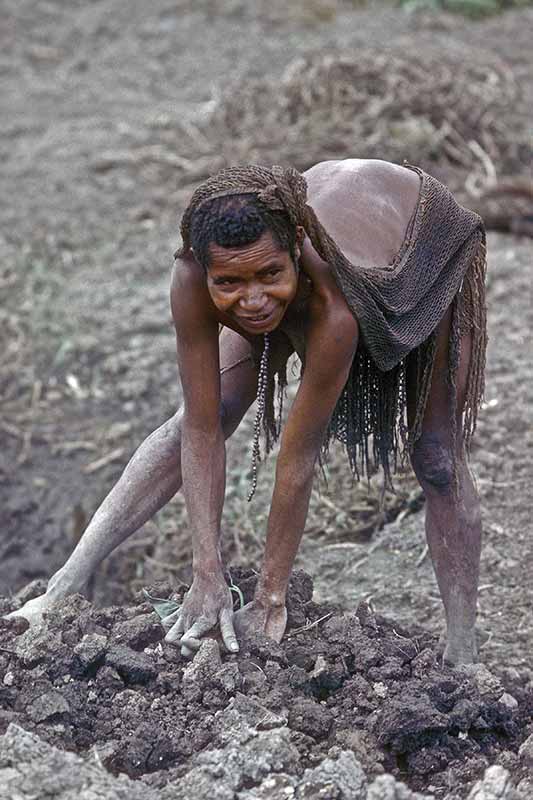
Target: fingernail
[{"x": 234, "y": 646}]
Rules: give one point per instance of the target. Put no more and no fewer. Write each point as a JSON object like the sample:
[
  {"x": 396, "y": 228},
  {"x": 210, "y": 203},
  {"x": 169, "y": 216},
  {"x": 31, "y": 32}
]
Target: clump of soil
[{"x": 338, "y": 684}]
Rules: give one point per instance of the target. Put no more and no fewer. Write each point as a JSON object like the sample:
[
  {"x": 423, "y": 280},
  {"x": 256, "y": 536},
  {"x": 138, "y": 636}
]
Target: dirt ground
[
  {"x": 87, "y": 359},
  {"x": 355, "y": 688}
]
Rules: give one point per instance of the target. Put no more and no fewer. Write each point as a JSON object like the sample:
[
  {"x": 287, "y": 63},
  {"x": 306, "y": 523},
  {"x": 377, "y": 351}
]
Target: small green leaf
[
  {"x": 162, "y": 607},
  {"x": 234, "y": 588}
]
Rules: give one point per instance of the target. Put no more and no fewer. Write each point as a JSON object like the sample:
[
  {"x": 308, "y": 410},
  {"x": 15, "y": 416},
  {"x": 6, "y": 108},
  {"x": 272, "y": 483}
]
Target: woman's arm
[
  {"x": 331, "y": 344},
  {"x": 203, "y": 457}
]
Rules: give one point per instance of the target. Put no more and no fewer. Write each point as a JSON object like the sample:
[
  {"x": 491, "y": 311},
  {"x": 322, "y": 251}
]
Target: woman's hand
[
  {"x": 260, "y": 617},
  {"x": 207, "y": 603}
]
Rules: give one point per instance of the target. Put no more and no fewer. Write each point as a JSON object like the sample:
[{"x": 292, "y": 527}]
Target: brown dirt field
[
  {"x": 339, "y": 687},
  {"x": 97, "y": 98}
]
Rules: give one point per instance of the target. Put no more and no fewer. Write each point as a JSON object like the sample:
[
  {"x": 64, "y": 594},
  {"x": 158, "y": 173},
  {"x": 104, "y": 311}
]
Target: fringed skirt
[{"x": 442, "y": 263}]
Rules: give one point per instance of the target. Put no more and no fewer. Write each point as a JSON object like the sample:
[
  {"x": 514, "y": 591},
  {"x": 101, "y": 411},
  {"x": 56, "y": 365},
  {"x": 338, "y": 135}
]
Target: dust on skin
[{"x": 249, "y": 290}]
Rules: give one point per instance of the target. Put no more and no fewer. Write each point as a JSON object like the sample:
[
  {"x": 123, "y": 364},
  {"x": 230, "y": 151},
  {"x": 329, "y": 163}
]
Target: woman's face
[{"x": 253, "y": 284}]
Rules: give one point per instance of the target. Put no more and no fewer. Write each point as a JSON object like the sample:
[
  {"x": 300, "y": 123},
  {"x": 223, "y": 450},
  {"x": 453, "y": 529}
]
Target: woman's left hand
[{"x": 258, "y": 617}]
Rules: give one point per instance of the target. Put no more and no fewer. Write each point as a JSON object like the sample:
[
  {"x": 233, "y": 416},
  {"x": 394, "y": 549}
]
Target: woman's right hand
[{"x": 207, "y": 603}]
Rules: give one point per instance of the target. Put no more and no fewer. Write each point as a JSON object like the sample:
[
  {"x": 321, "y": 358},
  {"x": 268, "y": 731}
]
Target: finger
[
  {"x": 176, "y": 631},
  {"x": 168, "y": 621},
  {"x": 191, "y": 638},
  {"x": 227, "y": 630}
]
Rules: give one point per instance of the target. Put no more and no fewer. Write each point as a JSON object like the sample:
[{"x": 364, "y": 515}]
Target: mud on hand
[{"x": 207, "y": 604}]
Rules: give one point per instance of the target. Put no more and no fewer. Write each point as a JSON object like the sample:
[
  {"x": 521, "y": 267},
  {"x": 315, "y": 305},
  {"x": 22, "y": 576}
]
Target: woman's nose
[{"x": 252, "y": 300}]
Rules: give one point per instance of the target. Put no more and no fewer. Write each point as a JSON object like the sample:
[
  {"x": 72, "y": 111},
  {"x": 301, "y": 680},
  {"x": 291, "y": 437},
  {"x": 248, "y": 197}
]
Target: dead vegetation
[
  {"x": 449, "y": 114},
  {"x": 459, "y": 115}
]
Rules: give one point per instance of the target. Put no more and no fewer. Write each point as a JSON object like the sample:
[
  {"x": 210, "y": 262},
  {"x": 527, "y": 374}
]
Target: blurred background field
[{"x": 112, "y": 112}]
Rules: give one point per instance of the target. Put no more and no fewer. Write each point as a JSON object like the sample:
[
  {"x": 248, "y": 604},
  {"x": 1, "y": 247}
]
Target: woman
[{"x": 376, "y": 281}]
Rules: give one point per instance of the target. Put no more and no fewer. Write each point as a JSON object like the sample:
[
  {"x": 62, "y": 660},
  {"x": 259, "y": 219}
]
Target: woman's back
[{"x": 365, "y": 205}]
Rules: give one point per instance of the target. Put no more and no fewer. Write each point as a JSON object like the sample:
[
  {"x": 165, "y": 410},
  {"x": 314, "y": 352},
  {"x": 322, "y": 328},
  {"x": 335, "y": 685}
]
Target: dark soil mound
[{"x": 338, "y": 682}]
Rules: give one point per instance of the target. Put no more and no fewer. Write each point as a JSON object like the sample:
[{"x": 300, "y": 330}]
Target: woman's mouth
[{"x": 257, "y": 320}]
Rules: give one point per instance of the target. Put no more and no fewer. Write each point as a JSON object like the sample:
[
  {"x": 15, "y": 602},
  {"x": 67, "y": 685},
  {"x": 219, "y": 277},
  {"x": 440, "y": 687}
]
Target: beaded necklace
[{"x": 262, "y": 381}]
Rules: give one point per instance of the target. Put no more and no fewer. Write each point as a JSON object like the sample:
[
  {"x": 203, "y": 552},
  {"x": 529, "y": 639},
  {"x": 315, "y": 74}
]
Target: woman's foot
[
  {"x": 459, "y": 656},
  {"x": 33, "y": 610},
  {"x": 463, "y": 651}
]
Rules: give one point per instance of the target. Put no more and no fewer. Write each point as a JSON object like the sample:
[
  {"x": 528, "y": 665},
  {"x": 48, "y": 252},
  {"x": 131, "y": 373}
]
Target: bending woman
[{"x": 374, "y": 275}]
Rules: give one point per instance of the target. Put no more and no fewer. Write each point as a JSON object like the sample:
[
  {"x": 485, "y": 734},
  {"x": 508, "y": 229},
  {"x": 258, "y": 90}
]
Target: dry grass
[{"x": 444, "y": 111}]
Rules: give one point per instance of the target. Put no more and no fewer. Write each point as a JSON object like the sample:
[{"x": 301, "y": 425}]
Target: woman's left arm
[{"x": 331, "y": 343}]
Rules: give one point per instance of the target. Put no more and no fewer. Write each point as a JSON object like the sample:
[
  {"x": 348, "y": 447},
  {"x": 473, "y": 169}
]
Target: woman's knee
[
  {"x": 170, "y": 431},
  {"x": 231, "y": 414},
  {"x": 163, "y": 444},
  {"x": 433, "y": 463}
]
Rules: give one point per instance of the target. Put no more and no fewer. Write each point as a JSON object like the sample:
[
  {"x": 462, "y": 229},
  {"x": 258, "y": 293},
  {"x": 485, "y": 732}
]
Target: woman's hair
[{"x": 236, "y": 221}]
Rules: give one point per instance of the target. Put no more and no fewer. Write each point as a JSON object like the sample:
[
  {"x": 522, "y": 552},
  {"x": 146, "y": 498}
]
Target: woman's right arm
[{"x": 203, "y": 457}]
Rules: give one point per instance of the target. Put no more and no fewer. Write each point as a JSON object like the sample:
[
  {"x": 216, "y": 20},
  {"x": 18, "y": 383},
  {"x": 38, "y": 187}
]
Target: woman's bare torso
[{"x": 365, "y": 205}]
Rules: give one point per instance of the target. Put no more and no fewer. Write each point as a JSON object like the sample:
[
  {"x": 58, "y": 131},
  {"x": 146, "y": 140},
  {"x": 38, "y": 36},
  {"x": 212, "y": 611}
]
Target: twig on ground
[
  {"x": 161, "y": 564},
  {"x": 341, "y": 545},
  {"x": 28, "y": 433},
  {"x": 311, "y": 625},
  {"x": 422, "y": 557},
  {"x": 11, "y": 430},
  {"x": 72, "y": 447},
  {"x": 135, "y": 544},
  {"x": 94, "y": 466},
  {"x": 97, "y": 757},
  {"x": 351, "y": 568}
]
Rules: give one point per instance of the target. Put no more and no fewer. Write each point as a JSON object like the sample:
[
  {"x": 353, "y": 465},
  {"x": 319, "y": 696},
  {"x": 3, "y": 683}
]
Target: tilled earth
[
  {"x": 344, "y": 699},
  {"x": 97, "y": 107}
]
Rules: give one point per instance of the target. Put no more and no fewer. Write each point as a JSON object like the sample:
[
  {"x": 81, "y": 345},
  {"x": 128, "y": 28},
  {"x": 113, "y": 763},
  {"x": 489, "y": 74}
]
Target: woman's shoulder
[{"x": 189, "y": 299}]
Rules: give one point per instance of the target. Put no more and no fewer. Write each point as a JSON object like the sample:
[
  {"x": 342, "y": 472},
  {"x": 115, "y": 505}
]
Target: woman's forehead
[{"x": 253, "y": 255}]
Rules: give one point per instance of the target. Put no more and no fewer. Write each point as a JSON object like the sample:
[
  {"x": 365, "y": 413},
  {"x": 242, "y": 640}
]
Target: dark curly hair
[{"x": 235, "y": 221}]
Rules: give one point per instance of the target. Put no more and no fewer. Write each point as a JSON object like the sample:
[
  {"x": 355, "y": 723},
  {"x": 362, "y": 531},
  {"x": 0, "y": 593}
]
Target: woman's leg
[
  {"x": 150, "y": 480},
  {"x": 453, "y": 518}
]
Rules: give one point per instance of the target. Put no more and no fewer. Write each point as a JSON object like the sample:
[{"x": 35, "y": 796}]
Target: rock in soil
[
  {"x": 29, "y": 766},
  {"x": 354, "y": 707}
]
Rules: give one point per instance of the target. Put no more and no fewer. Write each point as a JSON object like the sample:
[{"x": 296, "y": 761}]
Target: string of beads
[{"x": 262, "y": 381}]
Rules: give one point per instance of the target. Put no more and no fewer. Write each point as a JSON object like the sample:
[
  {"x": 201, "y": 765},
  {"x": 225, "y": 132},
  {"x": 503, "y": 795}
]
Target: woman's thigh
[
  {"x": 238, "y": 376},
  {"x": 440, "y": 405},
  {"x": 238, "y": 370}
]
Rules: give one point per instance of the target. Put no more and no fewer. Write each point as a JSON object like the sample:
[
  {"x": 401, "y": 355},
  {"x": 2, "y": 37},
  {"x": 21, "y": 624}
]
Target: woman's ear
[{"x": 300, "y": 236}]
